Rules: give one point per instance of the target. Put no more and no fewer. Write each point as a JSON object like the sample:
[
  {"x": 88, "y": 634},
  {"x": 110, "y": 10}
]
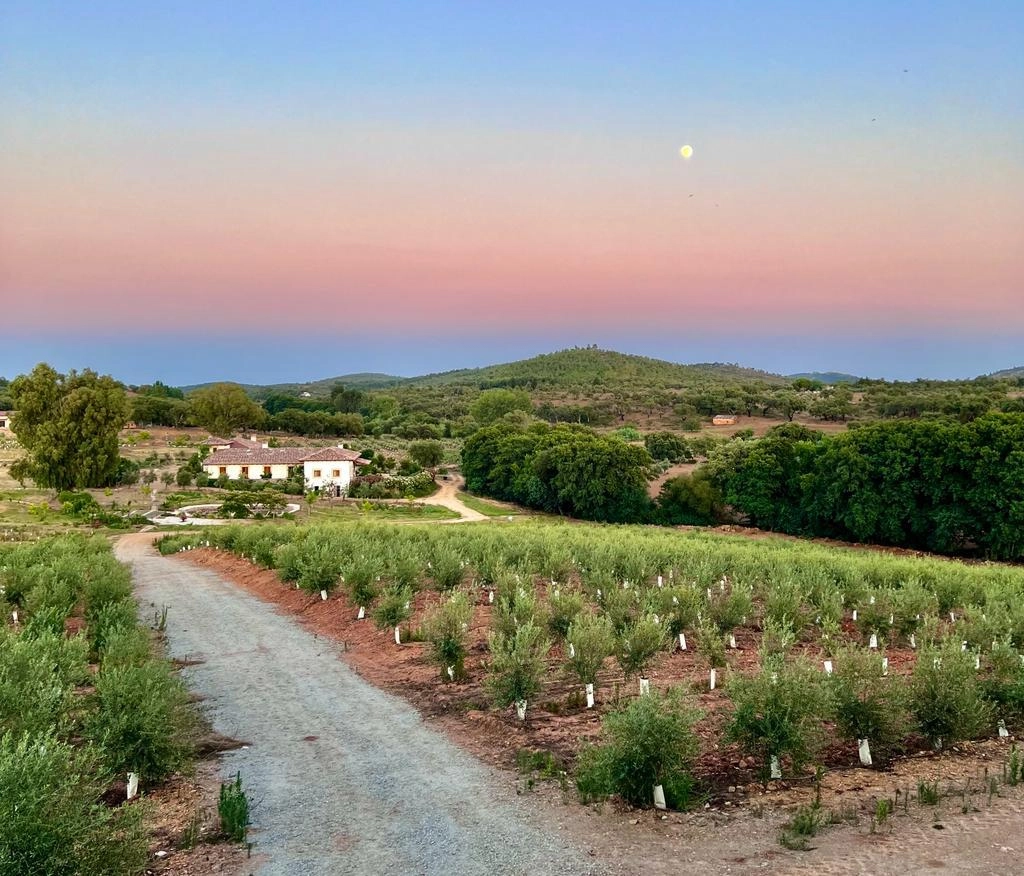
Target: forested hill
[
  {"x": 829, "y": 378},
  {"x": 315, "y": 387},
  {"x": 580, "y": 368},
  {"x": 590, "y": 367},
  {"x": 1009, "y": 373}
]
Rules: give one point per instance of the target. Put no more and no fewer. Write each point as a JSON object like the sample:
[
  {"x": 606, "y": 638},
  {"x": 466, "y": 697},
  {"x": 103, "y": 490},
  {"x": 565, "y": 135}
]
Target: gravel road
[{"x": 346, "y": 778}]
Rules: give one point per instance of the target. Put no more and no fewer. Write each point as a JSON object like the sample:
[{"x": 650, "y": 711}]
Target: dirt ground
[
  {"x": 187, "y": 805},
  {"x": 558, "y": 722}
]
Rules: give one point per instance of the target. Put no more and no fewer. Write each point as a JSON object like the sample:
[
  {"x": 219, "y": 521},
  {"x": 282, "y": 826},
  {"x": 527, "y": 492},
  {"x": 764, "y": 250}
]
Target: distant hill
[
  {"x": 829, "y": 378},
  {"x": 590, "y": 367},
  {"x": 321, "y": 387},
  {"x": 1009, "y": 372},
  {"x": 587, "y": 368}
]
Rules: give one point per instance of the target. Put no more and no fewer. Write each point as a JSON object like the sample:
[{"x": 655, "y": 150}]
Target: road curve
[{"x": 346, "y": 778}]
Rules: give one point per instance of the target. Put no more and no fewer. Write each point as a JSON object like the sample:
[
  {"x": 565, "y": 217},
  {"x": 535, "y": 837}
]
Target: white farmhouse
[
  {"x": 240, "y": 464},
  {"x": 329, "y": 469},
  {"x": 5, "y": 421}
]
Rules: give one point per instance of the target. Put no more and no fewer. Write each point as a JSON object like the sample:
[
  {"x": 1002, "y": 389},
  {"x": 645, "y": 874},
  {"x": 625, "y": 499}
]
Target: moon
[{"x": 686, "y": 151}]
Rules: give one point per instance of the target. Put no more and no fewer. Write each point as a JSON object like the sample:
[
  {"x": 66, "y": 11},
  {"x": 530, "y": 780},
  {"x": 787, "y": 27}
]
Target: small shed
[
  {"x": 723, "y": 420},
  {"x": 5, "y": 421}
]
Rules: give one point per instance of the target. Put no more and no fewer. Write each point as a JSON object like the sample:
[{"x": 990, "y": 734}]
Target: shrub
[
  {"x": 866, "y": 705},
  {"x": 51, "y": 820},
  {"x": 639, "y": 643},
  {"x": 729, "y": 604},
  {"x": 184, "y": 477},
  {"x": 515, "y": 605},
  {"x": 445, "y": 629},
  {"x": 446, "y": 568},
  {"x": 142, "y": 721},
  {"x": 111, "y": 618},
  {"x": 593, "y": 641},
  {"x": 778, "y": 713},
  {"x": 946, "y": 696},
  {"x": 318, "y": 566},
  {"x": 563, "y": 608},
  {"x": 393, "y": 607},
  {"x": 37, "y": 675},
  {"x": 517, "y": 664},
  {"x": 650, "y": 742},
  {"x": 286, "y": 561},
  {"x": 125, "y": 646},
  {"x": 233, "y": 809},
  {"x": 711, "y": 645},
  {"x": 105, "y": 588}
]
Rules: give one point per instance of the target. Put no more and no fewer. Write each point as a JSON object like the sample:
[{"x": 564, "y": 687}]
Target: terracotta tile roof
[
  {"x": 331, "y": 454},
  {"x": 234, "y": 443},
  {"x": 257, "y": 456}
]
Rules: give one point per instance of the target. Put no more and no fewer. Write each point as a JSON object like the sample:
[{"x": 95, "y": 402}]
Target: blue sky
[{"x": 445, "y": 184}]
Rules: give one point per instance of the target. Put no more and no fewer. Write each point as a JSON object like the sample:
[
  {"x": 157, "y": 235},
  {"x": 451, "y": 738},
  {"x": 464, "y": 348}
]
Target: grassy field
[{"x": 483, "y": 506}]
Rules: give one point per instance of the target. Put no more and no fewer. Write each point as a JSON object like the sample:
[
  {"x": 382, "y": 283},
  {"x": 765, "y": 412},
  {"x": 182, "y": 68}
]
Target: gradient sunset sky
[{"x": 285, "y": 191}]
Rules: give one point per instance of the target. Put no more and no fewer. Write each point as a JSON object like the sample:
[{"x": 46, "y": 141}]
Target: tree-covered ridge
[{"x": 591, "y": 367}]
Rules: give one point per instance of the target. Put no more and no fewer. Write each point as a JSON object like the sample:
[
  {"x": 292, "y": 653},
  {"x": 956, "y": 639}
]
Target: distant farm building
[
  {"x": 5, "y": 421},
  {"x": 324, "y": 469},
  {"x": 723, "y": 420}
]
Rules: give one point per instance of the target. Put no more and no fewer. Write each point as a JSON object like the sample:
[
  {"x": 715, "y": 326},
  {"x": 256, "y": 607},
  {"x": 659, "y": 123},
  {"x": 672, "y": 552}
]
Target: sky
[{"x": 264, "y": 191}]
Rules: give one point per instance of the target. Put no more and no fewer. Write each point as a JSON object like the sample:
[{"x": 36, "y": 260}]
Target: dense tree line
[
  {"x": 937, "y": 485},
  {"x": 561, "y": 470}
]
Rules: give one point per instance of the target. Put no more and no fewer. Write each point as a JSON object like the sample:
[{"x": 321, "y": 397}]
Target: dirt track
[{"x": 346, "y": 778}]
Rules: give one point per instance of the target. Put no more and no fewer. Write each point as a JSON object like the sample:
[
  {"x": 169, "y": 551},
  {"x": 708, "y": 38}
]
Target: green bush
[
  {"x": 233, "y": 809},
  {"x": 779, "y": 712},
  {"x": 318, "y": 565},
  {"x": 51, "y": 820},
  {"x": 946, "y": 696},
  {"x": 868, "y": 706},
  {"x": 37, "y": 677},
  {"x": 639, "y": 643},
  {"x": 563, "y": 608},
  {"x": 393, "y": 607},
  {"x": 142, "y": 722},
  {"x": 445, "y": 629},
  {"x": 649, "y": 742},
  {"x": 110, "y": 619},
  {"x": 593, "y": 641},
  {"x": 518, "y": 664}
]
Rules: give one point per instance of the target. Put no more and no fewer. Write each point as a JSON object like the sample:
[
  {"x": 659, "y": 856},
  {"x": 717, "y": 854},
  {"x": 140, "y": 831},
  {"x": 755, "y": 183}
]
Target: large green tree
[
  {"x": 68, "y": 425},
  {"x": 224, "y": 408},
  {"x": 493, "y": 404}
]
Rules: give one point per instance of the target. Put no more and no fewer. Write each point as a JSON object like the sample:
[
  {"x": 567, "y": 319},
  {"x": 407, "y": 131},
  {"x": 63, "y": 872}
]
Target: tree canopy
[
  {"x": 68, "y": 424},
  {"x": 561, "y": 469},
  {"x": 224, "y": 408}
]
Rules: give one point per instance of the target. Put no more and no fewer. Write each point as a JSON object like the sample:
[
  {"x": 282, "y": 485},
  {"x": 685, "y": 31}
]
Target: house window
[
  {"x": 245, "y": 472},
  {"x": 316, "y": 472},
  {"x": 266, "y": 471},
  {"x": 336, "y": 473},
  {"x": 224, "y": 470}
]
